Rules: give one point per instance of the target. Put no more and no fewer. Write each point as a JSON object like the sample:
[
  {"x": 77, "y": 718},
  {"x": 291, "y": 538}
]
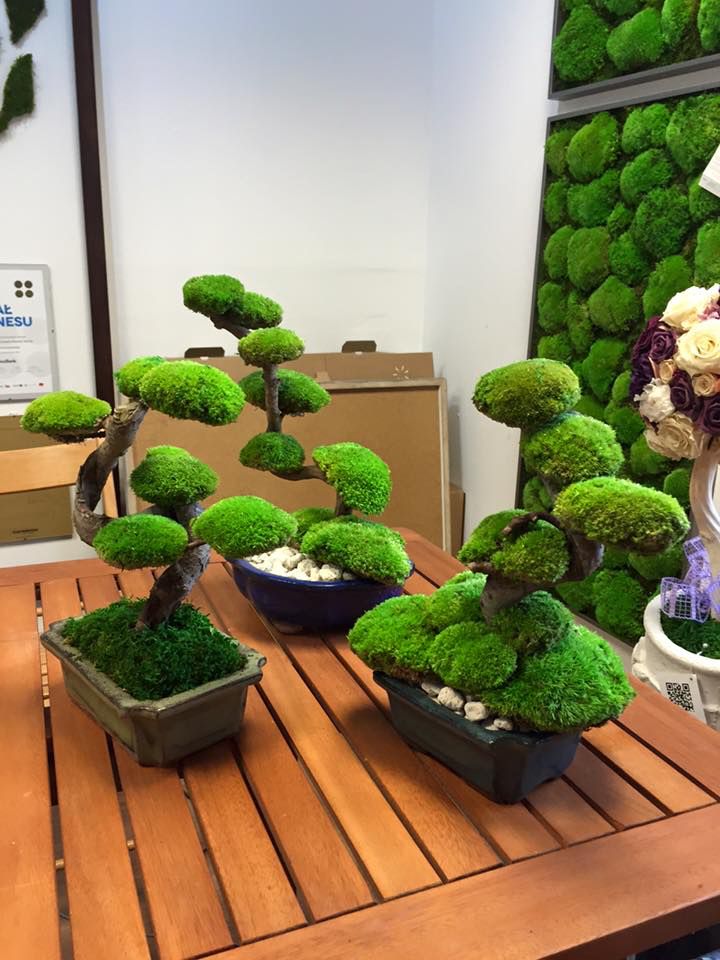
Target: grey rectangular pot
[
  {"x": 157, "y": 733},
  {"x": 504, "y": 766}
]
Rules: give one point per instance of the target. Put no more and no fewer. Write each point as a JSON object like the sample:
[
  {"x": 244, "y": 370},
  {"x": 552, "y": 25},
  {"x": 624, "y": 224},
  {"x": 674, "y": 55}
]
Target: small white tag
[
  {"x": 682, "y": 690},
  {"x": 710, "y": 180}
]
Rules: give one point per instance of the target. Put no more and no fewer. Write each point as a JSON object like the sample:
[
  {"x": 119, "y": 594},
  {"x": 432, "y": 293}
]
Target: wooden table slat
[
  {"x": 432, "y": 562},
  {"x": 391, "y": 856},
  {"x": 567, "y": 813},
  {"x": 28, "y": 907},
  {"x": 104, "y": 907}
]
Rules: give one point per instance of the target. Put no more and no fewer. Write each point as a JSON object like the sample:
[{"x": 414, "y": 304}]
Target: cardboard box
[
  {"x": 343, "y": 366},
  {"x": 457, "y": 518},
  {"x": 41, "y": 514}
]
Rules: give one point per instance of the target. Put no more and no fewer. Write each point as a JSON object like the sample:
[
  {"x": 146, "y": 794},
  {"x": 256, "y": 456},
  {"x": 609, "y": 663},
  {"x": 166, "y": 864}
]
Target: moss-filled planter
[
  {"x": 157, "y": 732},
  {"x": 300, "y": 605},
  {"x": 505, "y": 767}
]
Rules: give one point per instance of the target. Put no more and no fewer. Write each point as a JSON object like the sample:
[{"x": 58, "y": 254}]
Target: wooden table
[{"x": 319, "y": 833}]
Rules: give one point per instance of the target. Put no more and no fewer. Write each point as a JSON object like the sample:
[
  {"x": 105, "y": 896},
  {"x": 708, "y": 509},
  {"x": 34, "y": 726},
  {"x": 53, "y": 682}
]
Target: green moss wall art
[
  {"x": 626, "y": 226},
  {"x": 18, "y": 94},
  {"x": 601, "y": 40}
]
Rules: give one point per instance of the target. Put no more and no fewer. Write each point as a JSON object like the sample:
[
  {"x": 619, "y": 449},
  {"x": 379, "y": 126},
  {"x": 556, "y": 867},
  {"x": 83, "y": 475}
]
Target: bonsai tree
[
  {"x": 360, "y": 479},
  {"x": 495, "y": 634}
]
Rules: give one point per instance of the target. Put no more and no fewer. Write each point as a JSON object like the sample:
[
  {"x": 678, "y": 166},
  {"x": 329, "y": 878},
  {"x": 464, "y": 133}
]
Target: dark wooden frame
[{"x": 624, "y": 79}]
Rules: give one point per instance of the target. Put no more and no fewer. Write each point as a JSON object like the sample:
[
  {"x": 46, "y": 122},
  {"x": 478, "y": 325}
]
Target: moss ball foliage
[
  {"x": 170, "y": 476},
  {"x": 645, "y": 462},
  {"x": 358, "y": 475},
  {"x": 214, "y": 295},
  {"x": 709, "y": 25},
  {"x": 572, "y": 448},
  {"x": 593, "y": 148},
  {"x": 181, "y": 654},
  {"x": 264, "y": 348},
  {"x": 645, "y": 127},
  {"x": 555, "y": 204},
  {"x": 528, "y": 393},
  {"x": 702, "y": 638},
  {"x": 693, "y": 132},
  {"x": 620, "y": 602},
  {"x": 588, "y": 406},
  {"x": 258, "y": 312},
  {"x": 621, "y": 8},
  {"x": 669, "y": 563},
  {"x": 469, "y": 657},
  {"x": 620, "y": 391},
  {"x": 364, "y": 549},
  {"x": 590, "y": 204},
  {"x": 141, "y": 540},
  {"x": 307, "y": 517},
  {"x": 457, "y": 601},
  {"x": 298, "y": 394},
  {"x": 703, "y": 204},
  {"x": 707, "y": 254},
  {"x": 620, "y": 220},
  {"x": 669, "y": 277},
  {"x": 638, "y": 42},
  {"x": 395, "y": 637},
  {"x": 626, "y": 422},
  {"x": 538, "y": 556},
  {"x": 65, "y": 414},
  {"x": 602, "y": 365},
  {"x": 614, "y": 307},
  {"x": 278, "y": 452},
  {"x": 628, "y": 262},
  {"x": 678, "y": 20},
  {"x": 556, "y": 151},
  {"x": 555, "y": 346},
  {"x": 577, "y": 594},
  {"x": 662, "y": 221},
  {"x": 186, "y": 390},
  {"x": 649, "y": 170},
  {"x": 622, "y": 514},
  {"x": 555, "y": 257},
  {"x": 588, "y": 260},
  {"x": 579, "y": 52},
  {"x": 552, "y": 305},
  {"x": 242, "y": 526},
  {"x": 534, "y": 624},
  {"x": 677, "y": 484},
  {"x": 129, "y": 376},
  {"x": 579, "y": 328}
]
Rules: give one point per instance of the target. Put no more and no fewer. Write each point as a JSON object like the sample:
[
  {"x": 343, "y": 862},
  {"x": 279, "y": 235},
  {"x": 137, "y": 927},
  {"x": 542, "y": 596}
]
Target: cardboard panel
[
  {"x": 403, "y": 421},
  {"x": 457, "y": 518},
  {"x": 343, "y": 366}
]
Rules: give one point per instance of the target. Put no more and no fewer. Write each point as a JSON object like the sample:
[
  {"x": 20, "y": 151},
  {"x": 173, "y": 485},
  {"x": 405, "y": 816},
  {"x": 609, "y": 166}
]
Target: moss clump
[
  {"x": 645, "y": 128},
  {"x": 622, "y": 514},
  {"x": 602, "y": 365},
  {"x": 528, "y": 393},
  {"x": 18, "y": 98},
  {"x": 578, "y": 594},
  {"x": 22, "y": 16},
  {"x": 577, "y": 683},
  {"x": 703, "y": 204},
  {"x": 552, "y": 307},
  {"x": 626, "y": 422},
  {"x": 186, "y": 390},
  {"x": 621, "y": 8},
  {"x": 620, "y": 392},
  {"x": 709, "y": 25},
  {"x": 555, "y": 346},
  {"x": 307, "y": 517},
  {"x": 214, "y": 295},
  {"x": 702, "y": 638},
  {"x": 142, "y": 540},
  {"x": 619, "y": 603},
  {"x": 707, "y": 254},
  {"x": 638, "y": 42},
  {"x": 662, "y": 221},
  {"x": 65, "y": 414},
  {"x": 358, "y": 475},
  {"x": 278, "y": 452},
  {"x": 395, "y": 637},
  {"x": 648, "y": 171},
  {"x": 555, "y": 204},
  {"x": 297, "y": 393},
  {"x": 619, "y": 220},
  {"x": 242, "y": 526},
  {"x": 555, "y": 257},
  {"x": 628, "y": 262},
  {"x": 170, "y": 477},
  {"x": 130, "y": 376},
  {"x": 694, "y": 131},
  {"x": 614, "y": 559},
  {"x": 556, "y": 150},
  {"x": 677, "y": 484},
  {"x": 535, "y": 496},
  {"x": 364, "y": 549},
  {"x": 590, "y": 204},
  {"x": 588, "y": 257},
  {"x": 534, "y": 624},
  {"x": 264, "y": 348},
  {"x": 669, "y": 277},
  {"x": 588, "y": 406},
  {"x": 457, "y": 601},
  {"x": 258, "y": 312},
  {"x": 538, "y": 556},
  {"x": 678, "y": 19},
  {"x": 669, "y": 563},
  {"x": 183, "y": 653},
  {"x": 579, "y": 327},
  {"x": 593, "y": 148},
  {"x": 469, "y": 657},
  {"x": 572, "y": 448},
  {"x": 614, "y": 307},
  {"x": 645, "y": 462},
  {"x": 578, "y": 50}
]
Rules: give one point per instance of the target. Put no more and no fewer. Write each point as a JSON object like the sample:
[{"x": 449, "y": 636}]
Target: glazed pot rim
[
  {"x": 355, "y": 584},
  {"x": 694, "y": 662}
]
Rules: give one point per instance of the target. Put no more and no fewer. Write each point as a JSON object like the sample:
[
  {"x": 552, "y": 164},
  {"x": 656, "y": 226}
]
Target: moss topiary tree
[{"x": 494, "y": 632}]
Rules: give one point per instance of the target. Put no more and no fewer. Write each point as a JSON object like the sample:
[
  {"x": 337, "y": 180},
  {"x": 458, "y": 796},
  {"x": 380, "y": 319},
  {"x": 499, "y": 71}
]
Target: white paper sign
[
  {"x": 27, "y": 333},
  {"x": 682, "y": 689},
  {"x": 710, "y": 180}
]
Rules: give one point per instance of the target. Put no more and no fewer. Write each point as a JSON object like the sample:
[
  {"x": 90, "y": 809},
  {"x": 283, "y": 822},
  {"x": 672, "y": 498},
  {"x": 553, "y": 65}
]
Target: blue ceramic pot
[{"x": 308, "y": 606}]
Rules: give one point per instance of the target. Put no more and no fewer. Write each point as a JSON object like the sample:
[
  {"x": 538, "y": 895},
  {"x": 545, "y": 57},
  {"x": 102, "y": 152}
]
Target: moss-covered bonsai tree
[
  {"x": 360, "y": 479},
  {"x": 495, "y": 634}
]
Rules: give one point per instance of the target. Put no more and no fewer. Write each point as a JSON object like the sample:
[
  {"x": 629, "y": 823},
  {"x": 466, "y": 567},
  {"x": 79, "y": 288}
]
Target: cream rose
[
  {"x": 654, "y": 402},
  {"x": 686, "y": 308},
  {"x": 698, "y": 350},
  {"x": 706, "y": 384},
  {"x": 677, "y": 438},
  {"x": 665, "y": 370}
]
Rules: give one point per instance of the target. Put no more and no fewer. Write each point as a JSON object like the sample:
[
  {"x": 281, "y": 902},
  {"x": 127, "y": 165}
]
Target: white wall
[
  {"x": 42, "y": 220},
  {"x": 284, "y": 142}
]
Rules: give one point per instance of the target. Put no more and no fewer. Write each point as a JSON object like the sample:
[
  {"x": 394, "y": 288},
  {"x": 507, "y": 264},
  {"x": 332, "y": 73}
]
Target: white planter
[{"x": 655, "y": 654}]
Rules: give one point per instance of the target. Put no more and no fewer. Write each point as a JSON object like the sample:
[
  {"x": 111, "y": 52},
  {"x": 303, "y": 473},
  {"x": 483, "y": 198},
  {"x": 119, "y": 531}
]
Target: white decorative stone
[
  {"x": 451, "y": 699},
  {"x": 327, "y": 573},
  {"x": 476, "y": 711},
  {"x": 289, "y": 562},
  {"x": 502, "y": 723},
  {"x": 430, "y": 688},
  {"x": 349, "y": 576}
]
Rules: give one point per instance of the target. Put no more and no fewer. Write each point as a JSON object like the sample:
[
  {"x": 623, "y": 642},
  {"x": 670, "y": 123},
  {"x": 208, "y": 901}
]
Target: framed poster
[{"x": 28, "y": 363}]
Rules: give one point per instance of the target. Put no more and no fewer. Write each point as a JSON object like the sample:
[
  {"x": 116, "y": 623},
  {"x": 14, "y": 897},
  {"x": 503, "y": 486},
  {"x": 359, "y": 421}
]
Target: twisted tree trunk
[{"x": 272, "y": 399}]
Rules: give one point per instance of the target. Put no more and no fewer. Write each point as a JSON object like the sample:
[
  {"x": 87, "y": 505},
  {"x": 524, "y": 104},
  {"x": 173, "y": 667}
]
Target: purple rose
[
  {"x": 683, "y": 396},
  {"x": 662, "y": 343},
  {"x": 710, "y": 418}
]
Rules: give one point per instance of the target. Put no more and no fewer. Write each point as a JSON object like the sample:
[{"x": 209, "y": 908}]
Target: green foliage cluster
[
  {"x": 130, "y": 375},
  {"x": 637, "y": 42},
  {"x": 170, "y": 477},
  {"x": 358, "y": 475},
  {"x": 707, "y": 254},
  {"x": 593, "y": 148},
  {"x": 527, "y": 393},
  {"x": 187, "y": 390},
  {"x": 552, "y": 302},
  {"x": 588, "y": 260},
  {"x": 263, "y": 348},
  {"x": 185, "y": 652},
  {"x": 539, "y": 555},
  {"x": 18, "y": 99},
  {"x": 629, "y": 263},
  {"x": 572, "y": 448},
  {"x": 368, "y": 550},
  {"x": 614, "y": 307},
  {"x": 702, "y": 638},
  {"x": 590, "y": 204},
  {"x": 140, "y": 540},
  {"x": 307, "y": 517},
  {"x": 457, "y": 601},
  {"x": 243, "y": 526},
  {"x": 619, "y": 603},
  {"x": 555, "y": 257},
  {"x": 298, "y": 394},
  {"x": 650, "y": 169},
  {"x": 277, "y": 452},
  {"x": 470, "y": 657},
  {"x": 22, "y": 16},
  {"x": 214, "y": 295},
  {"x": 65, "y": 414}
]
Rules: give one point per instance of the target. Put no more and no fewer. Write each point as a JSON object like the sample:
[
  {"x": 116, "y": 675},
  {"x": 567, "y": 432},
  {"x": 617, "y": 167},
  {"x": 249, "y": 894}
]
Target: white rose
[
  {"x": 698, "y": 350},
  {"x": 654, "y": 402},
  {"x": 687, "y": 307},
  {"x": 706, "y": 384},
  {"x": 677, "y": 438}
]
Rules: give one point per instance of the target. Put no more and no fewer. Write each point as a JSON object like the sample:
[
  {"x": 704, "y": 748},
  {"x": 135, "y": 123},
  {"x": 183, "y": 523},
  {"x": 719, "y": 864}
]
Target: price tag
[{"x": 682, "y": 689}]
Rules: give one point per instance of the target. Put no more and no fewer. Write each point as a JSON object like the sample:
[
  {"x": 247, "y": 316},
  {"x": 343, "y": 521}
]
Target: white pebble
[
  {"x": 430, "y": 688},
  {"x": 328, "y": 572},
  {"x": 502, "y": 723},
  {"x": 291, "y": 562},
  {"x": 349, "y": 576},
  {"x": 476, "y": 711},
  {"x": 451, "y": 699}
]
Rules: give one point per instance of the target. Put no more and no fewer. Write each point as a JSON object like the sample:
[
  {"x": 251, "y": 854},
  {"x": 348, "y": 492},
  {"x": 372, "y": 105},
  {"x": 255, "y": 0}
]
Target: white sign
[
  {"x": 710, "y": 180},
  {"x": 27, "y": 332},
  {"x": 682, "y": 689}
]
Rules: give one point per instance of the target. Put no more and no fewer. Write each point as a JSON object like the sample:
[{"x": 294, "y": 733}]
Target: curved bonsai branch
[
  {"x": 309, "y": 472},
  {"x": 227, "y": 323},
  {"x": 272, "y": 399},
  {"x": 341, "y": 508}
]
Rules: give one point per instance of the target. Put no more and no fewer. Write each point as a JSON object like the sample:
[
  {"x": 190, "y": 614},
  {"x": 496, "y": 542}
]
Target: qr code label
[{"x": 684, "y": 692}]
